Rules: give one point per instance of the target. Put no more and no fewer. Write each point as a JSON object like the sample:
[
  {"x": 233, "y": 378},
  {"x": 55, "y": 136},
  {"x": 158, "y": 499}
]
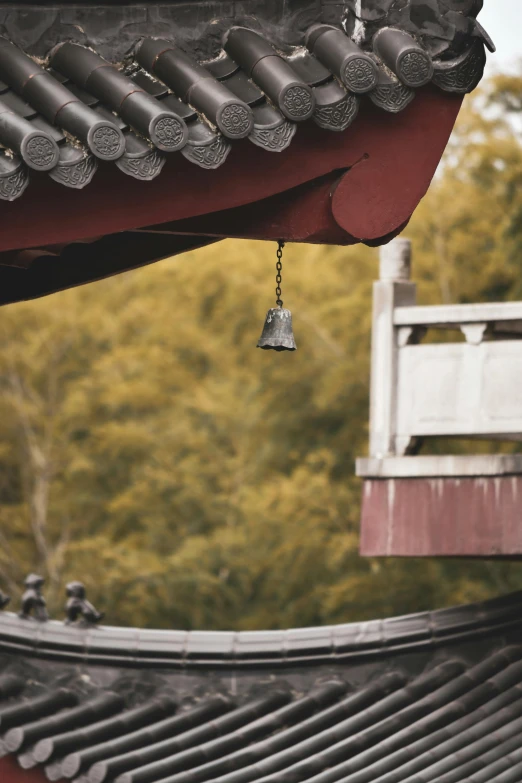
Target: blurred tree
[
  {"x": 149, "y": 449},
  {"x": 467, "y": 232}
]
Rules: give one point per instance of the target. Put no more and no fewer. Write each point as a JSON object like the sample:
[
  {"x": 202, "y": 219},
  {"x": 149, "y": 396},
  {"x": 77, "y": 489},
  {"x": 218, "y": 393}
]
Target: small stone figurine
[
  {"x": 33, "y": 600},
  {"x": 78, "y": 608},
  {"x": 4, "y": 600}
]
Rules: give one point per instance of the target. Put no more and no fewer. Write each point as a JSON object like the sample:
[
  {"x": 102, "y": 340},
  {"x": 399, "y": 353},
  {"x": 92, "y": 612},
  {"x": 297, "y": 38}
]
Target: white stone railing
[{"x": 470, "y": 388}]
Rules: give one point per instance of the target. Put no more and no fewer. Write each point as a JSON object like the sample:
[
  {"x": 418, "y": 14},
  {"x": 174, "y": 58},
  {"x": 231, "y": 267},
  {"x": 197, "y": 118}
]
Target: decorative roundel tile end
[
  {"x": 40, "y": 152},
  {"x": 235, "y": 120},
  {"x": 168, "y": 132},
  {"x": 106, "y": 141},
  {"x": 359, "y": 74},
  {"x": 415, "y": 69},
  {"x": 298, "y": 102},
  {"x": 13, "y": 183}
]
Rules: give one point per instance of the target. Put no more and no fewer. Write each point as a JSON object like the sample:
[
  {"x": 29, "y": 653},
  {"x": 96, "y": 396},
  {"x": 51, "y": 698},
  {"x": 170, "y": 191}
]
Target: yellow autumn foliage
[{"x": 190, "y": 480}]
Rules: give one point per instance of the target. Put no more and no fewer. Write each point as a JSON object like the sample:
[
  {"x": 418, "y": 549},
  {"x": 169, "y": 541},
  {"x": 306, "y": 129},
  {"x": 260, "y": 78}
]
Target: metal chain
[{"x": 279, "y": 267}]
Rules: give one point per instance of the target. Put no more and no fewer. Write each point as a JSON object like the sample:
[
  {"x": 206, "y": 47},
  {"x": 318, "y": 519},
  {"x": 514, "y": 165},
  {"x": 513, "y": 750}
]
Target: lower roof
[
  {"x": 138, "y": 648},
  {"x": 430, "y": 697}
]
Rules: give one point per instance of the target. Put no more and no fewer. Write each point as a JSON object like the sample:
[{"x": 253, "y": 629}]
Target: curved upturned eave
[{"x": 109, "y": 645}]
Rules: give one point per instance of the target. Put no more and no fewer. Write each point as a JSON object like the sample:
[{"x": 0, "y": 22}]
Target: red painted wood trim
[
  {"x": 442, "y": 517},
  {"x": 10, "y": 772},
  {"x": 396, "y": 157},
  {"x": 385, "y": 188},
  {"x": 302, "y": 214}
]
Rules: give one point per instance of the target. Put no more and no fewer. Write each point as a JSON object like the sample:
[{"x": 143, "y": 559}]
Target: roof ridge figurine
[
  {"x": 33, "y": 602},
  {"x": 78, "y": 609},
  {"x": 4, "y": 600}
]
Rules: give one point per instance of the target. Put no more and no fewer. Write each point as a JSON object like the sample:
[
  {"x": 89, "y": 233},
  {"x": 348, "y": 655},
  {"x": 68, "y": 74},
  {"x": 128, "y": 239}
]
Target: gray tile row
[
  {"x": 63, "y": 117},
  {"x": 149, "y": 648},
  {"x": 449, "y": 722}
]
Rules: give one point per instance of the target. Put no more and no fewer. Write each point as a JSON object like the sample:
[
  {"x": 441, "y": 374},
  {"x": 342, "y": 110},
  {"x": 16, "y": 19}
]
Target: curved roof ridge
[{"x": 134, "y": 647}]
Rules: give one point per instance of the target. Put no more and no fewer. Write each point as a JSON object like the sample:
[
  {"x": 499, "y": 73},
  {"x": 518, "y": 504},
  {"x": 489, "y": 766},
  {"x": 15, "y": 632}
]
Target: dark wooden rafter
[{"x": 28, "y": 274}]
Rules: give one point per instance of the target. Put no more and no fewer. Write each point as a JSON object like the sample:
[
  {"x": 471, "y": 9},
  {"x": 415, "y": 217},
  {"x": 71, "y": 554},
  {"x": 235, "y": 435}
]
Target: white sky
[{"x": 503, "y": 21}]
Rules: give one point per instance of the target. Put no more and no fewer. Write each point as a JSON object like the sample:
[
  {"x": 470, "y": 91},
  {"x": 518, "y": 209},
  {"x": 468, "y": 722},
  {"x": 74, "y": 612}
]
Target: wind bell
[{"x": 277, "y": 332}]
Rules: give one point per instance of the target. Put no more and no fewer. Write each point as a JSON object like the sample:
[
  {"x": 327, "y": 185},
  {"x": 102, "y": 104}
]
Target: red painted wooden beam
[
  {"x": 389, "y": 159},
  {"x": 442, "y": 517},
  {"x": 302, "y": 214},
  {"x": 10, "y": 772}
]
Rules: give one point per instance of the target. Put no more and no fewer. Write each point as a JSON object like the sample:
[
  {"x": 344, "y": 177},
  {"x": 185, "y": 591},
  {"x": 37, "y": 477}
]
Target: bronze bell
[{"x": 277, "y": 332}]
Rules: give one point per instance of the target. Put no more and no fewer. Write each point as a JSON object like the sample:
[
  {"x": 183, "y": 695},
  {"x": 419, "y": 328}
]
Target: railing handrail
[{"x": 448, "y": 316}]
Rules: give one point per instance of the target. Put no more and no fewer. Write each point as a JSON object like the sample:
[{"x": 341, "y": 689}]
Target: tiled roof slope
[
  {"x": 432, "y": 697},
  {"x": 62, "y": 114}
]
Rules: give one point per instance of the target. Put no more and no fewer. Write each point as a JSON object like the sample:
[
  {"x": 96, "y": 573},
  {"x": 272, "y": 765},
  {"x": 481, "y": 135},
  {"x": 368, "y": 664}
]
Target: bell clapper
[{"x": 277, "y": 332}]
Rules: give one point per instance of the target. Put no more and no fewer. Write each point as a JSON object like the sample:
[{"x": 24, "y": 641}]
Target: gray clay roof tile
[
  {"x": 416, "y": 699},
  {"x": 168, "y": 100}
]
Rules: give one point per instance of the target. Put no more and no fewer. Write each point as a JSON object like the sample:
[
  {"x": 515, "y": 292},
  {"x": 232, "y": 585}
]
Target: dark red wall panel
[{"x": 474, "y": 517}]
